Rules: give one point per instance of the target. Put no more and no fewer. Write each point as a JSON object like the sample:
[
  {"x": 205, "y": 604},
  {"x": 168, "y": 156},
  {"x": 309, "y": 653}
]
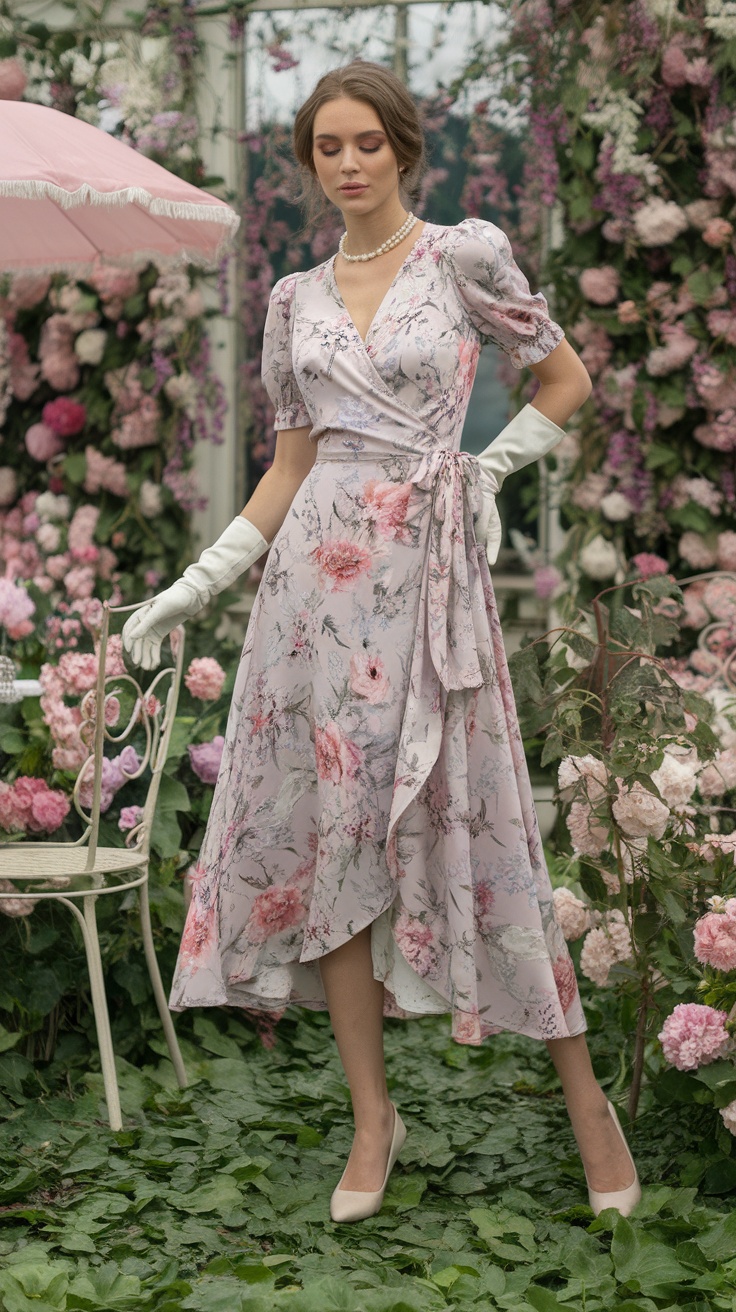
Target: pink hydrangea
[
  {"x": 205, "y": 759},
  {"x": 638, "y": 812},
  {"x": 42, "y": 443},
  {"x": 694, "y": 1035},
  {"x": 130, "y": 816},
  {"x": 696, "y": 551},
  {"x": 104, "y": 472},
  {"x": 726, "y": 551},
  {"x": 16, "y": 608},
  {"x": 572, "y": 915},
  {"x": 715, "y": 940},
  {"x": 116, "y": 771},
  {"x": 64, "y": 416},
  {"x": 647, "y": 565},
  {"x": 30, "y": 805},
  {"x": 601, "y": 285},
  {"x": 719, "y": 595},
  {"x": 205, "y": 678}
]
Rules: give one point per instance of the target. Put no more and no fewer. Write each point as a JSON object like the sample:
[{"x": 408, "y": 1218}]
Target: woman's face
[{"x": 353, "y": 159}]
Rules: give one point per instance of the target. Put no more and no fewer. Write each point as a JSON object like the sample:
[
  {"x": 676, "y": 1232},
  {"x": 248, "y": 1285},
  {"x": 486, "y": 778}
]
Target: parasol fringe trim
[
  {"x": 137, "y": 260},
  {"x": 27, "y": 189}
]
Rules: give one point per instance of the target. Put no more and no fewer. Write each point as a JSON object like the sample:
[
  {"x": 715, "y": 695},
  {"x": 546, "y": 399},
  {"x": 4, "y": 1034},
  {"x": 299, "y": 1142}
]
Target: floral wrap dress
[{"x": 373, "y": 770}]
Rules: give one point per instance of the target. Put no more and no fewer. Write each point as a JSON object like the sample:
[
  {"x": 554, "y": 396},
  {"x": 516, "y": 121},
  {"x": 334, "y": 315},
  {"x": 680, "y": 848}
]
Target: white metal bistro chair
[{"x": 83, "y": 870}]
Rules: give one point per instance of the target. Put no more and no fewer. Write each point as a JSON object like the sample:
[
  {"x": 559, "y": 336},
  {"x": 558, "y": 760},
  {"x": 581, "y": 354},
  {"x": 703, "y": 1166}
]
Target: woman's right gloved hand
[{"x": 219, "y": 565}]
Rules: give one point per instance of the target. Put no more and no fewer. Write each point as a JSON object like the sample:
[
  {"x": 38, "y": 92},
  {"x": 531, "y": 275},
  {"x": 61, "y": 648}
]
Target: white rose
[
  {"x": 598, "y": 558},
  {"x": 616, "y": 507},
  {"x": 676, "y": 780},
  {"x": 150, "y": 499},
  {"x": 90, "y": 345}
]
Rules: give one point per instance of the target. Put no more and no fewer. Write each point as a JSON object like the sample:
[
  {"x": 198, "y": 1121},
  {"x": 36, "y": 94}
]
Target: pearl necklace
[{"x": 387, "y": 245}]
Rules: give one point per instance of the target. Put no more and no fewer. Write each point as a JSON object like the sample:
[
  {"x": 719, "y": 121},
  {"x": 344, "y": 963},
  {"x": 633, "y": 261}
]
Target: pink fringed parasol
[{"x": 70, "y": 193}]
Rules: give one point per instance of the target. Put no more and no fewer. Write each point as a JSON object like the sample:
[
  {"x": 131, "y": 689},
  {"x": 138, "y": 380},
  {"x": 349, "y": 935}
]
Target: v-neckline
[{"x": 364, "y": 340}]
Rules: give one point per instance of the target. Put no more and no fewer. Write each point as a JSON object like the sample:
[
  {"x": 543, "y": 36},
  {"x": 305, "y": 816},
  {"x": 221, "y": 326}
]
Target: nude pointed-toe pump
[
  {"x": 355, "y": 1204},
  {"x": 623, "y": 1199}
]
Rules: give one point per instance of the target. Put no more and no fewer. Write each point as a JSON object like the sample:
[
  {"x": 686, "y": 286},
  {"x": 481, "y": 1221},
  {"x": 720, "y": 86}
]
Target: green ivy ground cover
[{"x": 216, "y": 1198}]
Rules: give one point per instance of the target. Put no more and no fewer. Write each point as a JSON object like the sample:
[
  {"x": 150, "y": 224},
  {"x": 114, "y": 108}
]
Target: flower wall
[
  {"x": 105, "y": 388},
  {"x": 633, "y": 149}
]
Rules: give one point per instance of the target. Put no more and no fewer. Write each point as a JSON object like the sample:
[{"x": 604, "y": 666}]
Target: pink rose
[
  {"x": 338, "y": 757},
  {"x": 416, "y": 942},
  {"x": 715, "y": 940},
  {"x": 341, "y": 562},
  {"x": 567, "y": 985},
  {"x": 16, "y": 608},
  {"x": 205, "y": 678},
  {"x": 368, "y": 678}
]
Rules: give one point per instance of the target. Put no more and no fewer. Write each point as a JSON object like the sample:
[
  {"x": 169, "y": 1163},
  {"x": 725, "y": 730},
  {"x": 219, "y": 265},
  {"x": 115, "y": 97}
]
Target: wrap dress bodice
[{"x": 373, "y": 770}]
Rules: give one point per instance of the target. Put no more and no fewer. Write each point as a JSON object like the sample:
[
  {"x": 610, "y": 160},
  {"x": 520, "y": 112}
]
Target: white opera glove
[
  {"x": 219, "y": 565},
  {"x": 528, "y": 437}
]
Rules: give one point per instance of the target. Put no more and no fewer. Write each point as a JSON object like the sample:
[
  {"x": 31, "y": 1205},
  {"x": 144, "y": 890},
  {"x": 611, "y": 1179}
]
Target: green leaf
[
  {"x": 543, "y": 1300},
  {"x": 217, "y": 1195},
  {"x": 75, "y": 467},
  {"x": 641, "y": 1262}
]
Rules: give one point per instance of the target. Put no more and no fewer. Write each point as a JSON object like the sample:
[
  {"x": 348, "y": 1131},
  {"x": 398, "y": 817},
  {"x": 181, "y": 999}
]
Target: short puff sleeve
[
  {"x": 277, "y": 366},
  {"x": 496, "y": 294}
]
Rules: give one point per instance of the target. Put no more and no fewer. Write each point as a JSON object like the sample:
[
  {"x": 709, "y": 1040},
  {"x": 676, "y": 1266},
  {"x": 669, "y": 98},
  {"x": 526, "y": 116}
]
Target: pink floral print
[{"x": 373, "y": 771}]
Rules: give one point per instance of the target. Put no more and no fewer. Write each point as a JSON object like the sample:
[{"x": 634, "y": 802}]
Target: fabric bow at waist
[{"x": 454, "y": 603}]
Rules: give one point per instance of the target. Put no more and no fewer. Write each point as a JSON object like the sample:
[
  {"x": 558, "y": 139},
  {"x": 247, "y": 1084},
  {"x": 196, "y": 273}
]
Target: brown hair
[{"x": 384, "y": 92}]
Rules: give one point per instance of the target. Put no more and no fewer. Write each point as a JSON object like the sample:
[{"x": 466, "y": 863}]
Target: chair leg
[
  {"x": 158, "y": 988},
  {"x": 102, "y": 1018}
]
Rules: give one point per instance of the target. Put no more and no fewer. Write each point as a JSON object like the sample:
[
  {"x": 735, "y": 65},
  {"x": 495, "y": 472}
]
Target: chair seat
[{"x": 45, "y": 861}]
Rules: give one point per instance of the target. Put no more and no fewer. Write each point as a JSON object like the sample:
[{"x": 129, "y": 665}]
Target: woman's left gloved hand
[{"x": 528, "y": 437}]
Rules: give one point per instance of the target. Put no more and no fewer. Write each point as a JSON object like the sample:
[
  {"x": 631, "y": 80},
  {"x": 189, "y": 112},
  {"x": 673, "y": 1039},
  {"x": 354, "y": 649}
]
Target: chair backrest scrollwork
[{"x": 147, "y": 718}]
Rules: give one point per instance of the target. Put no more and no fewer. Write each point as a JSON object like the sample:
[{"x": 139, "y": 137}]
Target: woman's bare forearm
[{"x": 269, "y": 505}]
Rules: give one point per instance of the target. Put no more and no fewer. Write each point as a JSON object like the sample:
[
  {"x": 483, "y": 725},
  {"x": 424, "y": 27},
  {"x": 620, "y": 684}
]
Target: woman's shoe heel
[
  {"x": 623, "y": 1199},
  {"x": 355, "y": 1204}
]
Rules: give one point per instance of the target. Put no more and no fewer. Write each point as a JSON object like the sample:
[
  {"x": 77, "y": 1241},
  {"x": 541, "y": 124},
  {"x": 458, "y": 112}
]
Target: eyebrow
[{"x": 331, "y": 136}]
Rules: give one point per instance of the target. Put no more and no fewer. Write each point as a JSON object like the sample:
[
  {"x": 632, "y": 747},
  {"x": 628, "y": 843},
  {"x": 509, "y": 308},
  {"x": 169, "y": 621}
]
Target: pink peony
[
  {"x": 42, "y": 442},
  {"x": 386, "y": 506},
  {"x": 29, "y": 804},
  {"x": 601, "y": 285},
  {"x": 566, "y": 981},
  {"x": 638, "y": 812},
  {"x": 274, "y": 911},
  {"x": 571, "y": 914},
  {"x": 368, "y": 678},
  {"x": 715, "y": 941},
  {"x": 205, "y": 759},
  {"x": 205, "y": 678},
  {"x": 13, "y": 80},
  {"x": 604, "y": 947},
  {"x": 64, "y": 416},
  {"x": 338, "y": 757},
  {"x": 341, "y": 562},
  {"x": 694, "y": 1035}
]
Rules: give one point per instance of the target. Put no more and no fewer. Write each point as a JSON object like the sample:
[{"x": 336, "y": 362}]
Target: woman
[{"x": 372, "y": 846}]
